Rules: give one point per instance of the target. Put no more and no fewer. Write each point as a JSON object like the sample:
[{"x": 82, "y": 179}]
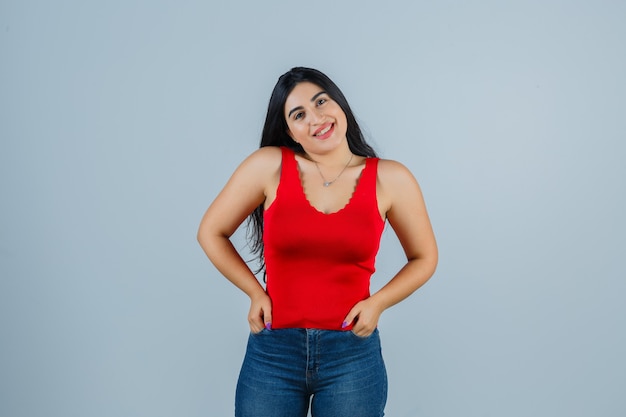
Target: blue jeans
[{"x": 337, "y": 372}]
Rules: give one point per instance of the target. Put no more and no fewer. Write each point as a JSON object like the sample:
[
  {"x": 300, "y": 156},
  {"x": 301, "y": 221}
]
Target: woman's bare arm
[
  {"x": 252, "y": 181},
  {"x": 400, "y": 194}
]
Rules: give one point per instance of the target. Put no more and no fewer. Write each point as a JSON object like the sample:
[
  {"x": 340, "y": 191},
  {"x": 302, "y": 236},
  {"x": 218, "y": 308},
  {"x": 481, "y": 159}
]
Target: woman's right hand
[{"x": 260, "y": 315}]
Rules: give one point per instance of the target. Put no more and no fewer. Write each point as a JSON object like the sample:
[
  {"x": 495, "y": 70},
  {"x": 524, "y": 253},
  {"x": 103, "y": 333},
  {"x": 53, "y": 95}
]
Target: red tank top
[{"x": 319, "y": 265}]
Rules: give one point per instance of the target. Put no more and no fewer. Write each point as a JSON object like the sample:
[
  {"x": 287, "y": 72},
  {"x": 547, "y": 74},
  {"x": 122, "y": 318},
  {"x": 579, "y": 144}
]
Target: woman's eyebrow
[
  {"x": 312, "y": 99},
  {"x": 318, "y": 94}
]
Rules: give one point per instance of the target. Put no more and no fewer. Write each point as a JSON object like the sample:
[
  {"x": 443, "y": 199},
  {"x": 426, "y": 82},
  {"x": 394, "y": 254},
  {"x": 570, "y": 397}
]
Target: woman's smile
[{"x": 325, "y": 131}]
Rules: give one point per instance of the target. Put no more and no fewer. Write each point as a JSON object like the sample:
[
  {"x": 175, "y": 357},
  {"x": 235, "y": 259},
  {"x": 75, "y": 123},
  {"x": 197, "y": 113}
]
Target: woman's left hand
[{"x": 365, "y": 315}]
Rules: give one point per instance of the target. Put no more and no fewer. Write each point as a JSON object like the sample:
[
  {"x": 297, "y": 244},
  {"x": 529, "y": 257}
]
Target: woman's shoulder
[
  {"x": 267, "y": 156},
  {"x": 267, "y": 153},
  {"x": 396, "y": 184},
  {"x": 392, "y": 171},
  {"x": 261, "y": 164}
]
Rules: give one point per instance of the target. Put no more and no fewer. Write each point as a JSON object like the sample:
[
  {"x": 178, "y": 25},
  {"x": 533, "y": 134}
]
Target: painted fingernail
[
  {"x": 344, "y": 324},
  {"x": 268, "y": 325}
]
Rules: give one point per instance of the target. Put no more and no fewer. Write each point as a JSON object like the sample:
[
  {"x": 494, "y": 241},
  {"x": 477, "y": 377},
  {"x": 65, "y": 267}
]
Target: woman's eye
[
  {"x": 321, "y": 101},
  {"x": 298, "y": 116}
]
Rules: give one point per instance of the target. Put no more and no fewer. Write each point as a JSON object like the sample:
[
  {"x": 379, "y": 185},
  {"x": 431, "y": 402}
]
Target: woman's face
[{"x": 315, "y": 121}]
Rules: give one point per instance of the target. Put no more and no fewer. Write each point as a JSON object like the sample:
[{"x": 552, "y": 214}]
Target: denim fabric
[{"x": 337, "y": 372}]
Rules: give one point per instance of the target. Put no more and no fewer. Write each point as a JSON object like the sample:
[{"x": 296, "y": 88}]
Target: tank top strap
[
  {"x": 371, "y": 169},
  {"x": 289, "y": 168},
  {"x": 367, "y": 182},
  {"x": 364, "y": 197}
]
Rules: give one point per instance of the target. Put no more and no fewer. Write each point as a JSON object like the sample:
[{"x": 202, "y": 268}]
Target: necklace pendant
[{"x": 328, "y": 183}]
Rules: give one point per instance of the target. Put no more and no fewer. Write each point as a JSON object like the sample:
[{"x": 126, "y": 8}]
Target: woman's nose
[{"x": 318, "y": 117}]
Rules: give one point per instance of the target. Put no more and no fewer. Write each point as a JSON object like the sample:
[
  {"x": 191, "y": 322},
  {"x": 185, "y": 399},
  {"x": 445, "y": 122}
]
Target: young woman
[{"x": 317, "y": 198}]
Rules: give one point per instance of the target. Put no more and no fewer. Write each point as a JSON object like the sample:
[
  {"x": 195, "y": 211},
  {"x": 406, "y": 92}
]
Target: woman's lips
[{"x": 325, "y": 131}]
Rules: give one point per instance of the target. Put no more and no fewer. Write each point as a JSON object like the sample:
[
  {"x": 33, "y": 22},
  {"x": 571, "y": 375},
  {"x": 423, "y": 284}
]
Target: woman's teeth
[{"x": 323, "y": 132}]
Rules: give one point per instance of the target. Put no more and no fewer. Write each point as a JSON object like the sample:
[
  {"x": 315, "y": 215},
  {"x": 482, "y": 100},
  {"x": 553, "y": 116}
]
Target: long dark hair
[{"x": 275, "y": 134}]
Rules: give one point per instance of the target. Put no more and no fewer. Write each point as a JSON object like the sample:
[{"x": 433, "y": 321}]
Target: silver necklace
[{"x": 328, "y": 183}]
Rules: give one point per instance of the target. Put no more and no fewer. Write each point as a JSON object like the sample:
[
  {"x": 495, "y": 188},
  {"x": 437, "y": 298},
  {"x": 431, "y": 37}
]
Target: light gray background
[{"x": 121, "y": 120}]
